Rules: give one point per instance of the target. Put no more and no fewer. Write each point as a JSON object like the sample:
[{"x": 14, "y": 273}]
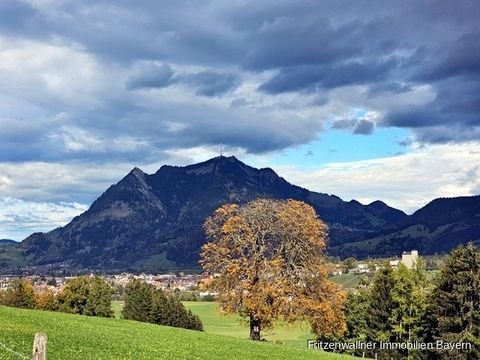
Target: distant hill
[
  {"x": 436, "y": 228},
  {"x": 7, "y": 242},
  {"x": 154, "y": 222}
]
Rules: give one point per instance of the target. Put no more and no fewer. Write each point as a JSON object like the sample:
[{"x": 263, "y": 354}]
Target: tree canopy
[
  {"x": 20, "y": 294},
  {"x": 267, "y": 258},
  {"x": 86, "y": 295},
  {"x": 453, "y": 312}
]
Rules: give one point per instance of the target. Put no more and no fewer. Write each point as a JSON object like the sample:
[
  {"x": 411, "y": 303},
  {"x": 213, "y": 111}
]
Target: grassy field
[
  {"x": 348, "y": 281},
  {"x": 117, "y": 307},
  {"x": 216, "y": 323},
  {"x": 81, "y": 337}
]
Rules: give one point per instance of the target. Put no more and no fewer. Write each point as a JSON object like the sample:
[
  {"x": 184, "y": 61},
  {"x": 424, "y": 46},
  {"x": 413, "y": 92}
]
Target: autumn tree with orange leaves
[{"x": 267, "y": 258}]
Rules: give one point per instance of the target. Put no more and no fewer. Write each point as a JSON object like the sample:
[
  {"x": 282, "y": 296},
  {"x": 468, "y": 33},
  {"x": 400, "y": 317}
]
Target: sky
[{"x": 362, "y": 99}]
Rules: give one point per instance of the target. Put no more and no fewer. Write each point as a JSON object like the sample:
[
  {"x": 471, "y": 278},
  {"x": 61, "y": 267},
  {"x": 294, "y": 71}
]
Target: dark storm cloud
[
  {"x": 356, "y": 126},
  {"x": 461, "y": 59},
  {"x": 285, "y": 42},
  {"x": 151, "y": 76},
  {"x": 307, "y": 48},
  {"x": 343, "y": 124},
  {"x": 209, "y": 83},
  {"x": 327, "y": 77},
  {"x": 205, "y": 83},
  {"x": 364, "y": 127},
  {"x": 454, "y": 114},
  {"x": 386, "y": 87}
]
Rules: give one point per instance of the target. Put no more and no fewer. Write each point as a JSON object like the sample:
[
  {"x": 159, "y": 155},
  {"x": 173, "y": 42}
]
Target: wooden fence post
[{"x": 40, "y": 347}]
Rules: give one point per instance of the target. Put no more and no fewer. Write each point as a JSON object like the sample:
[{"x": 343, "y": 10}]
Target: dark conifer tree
[
  {"x": 453, "y": 312},
  {"x": 160, "y": 308},
  {"x": 379, "y": 310},
  {"x": 144, "y": 303},
  {"x": 138, "y": 301}
]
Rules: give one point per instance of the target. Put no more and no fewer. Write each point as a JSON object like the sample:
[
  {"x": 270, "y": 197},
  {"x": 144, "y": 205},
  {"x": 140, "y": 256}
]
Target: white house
[{"x": 409, "y": 259}]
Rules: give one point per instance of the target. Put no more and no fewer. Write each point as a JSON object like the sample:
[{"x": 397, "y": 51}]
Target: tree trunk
[{"x": 254, "y": 328}]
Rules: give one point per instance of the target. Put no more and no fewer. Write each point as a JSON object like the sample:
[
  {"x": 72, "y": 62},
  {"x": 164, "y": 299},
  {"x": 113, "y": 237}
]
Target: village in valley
[{"x": 194, "y": 286}]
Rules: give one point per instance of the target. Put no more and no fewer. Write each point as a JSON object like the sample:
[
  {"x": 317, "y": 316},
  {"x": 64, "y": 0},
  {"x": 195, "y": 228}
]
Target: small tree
[
  {"x": 20, "y": 294},
  {"x": 86, "y": 295},
  {"x": 267, "y": 257},
  {"x": 350, "y": 263},
  {"x": 46, "y": 301}
]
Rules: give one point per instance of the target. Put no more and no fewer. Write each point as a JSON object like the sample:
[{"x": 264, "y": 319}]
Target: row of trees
[
  {"x": 144, "y": 303},
  {"x": 83, "y": 295},
  {"x": 91, "y": 296},
  {"x": 402, "y": 307}
]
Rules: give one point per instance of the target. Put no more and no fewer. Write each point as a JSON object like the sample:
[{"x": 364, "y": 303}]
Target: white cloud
[
  {"x": 43, "y": 73},
  {"x": 19, "y": 218},
  {"x": 407, "y": 182},
  {"x": 53, "y": 182}
]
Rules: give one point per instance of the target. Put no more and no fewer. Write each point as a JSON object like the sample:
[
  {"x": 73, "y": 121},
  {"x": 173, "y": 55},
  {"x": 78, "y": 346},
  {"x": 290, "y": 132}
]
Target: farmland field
[{"x": 82, "y": 337}]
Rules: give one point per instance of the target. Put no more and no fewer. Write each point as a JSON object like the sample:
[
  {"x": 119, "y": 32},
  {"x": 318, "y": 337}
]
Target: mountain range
[
  {"x": 7, "y": 242},
  {"x": 154, "y": 222}
]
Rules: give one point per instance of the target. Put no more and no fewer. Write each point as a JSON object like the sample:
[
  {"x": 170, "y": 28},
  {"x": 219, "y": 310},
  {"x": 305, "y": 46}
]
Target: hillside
[
  {"x": 7, "y": 242},
  {"x": 436, "y": 228},
  {"x": 154, "y": 222},
  {"x": 89, "y": 338}
]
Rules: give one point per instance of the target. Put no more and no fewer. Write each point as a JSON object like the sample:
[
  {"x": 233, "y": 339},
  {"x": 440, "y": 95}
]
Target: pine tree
[
  {"x": 160, "y": 308},
  {"x": 138, "y": 301},
  {"x": 144, "y": 303},
  {"x": 379, "y": 309},
  {"x": 453, "y": 312}
]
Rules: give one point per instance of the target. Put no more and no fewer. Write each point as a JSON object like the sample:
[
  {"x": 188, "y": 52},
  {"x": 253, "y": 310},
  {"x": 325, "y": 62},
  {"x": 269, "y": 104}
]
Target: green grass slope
[
  {"x": 216, "y": 323},
  {"x": 348, "y": 281},
  {"x": 81, "y": 337}
]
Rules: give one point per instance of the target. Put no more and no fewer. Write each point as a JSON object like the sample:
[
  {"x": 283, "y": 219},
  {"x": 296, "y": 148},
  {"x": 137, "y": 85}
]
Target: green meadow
[
  {"x": 215, "y": 322},
  {"x": 92, "y": 338},
  {"x": 348, "y": 281}
]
